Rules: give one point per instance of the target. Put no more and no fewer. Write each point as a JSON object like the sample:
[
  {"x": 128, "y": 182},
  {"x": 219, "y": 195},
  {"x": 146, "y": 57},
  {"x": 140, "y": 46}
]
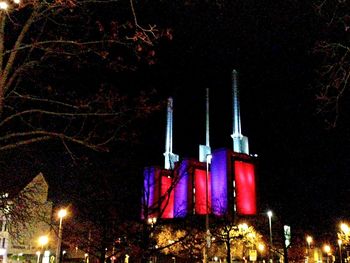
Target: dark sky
[{"x": 303, "y": 166}]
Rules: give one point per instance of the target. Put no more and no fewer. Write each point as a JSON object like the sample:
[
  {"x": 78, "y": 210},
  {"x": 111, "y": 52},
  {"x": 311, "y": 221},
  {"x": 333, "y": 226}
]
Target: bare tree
[
  {"x": 40, "y": 44},
  {"x": 334, "y": 49}
]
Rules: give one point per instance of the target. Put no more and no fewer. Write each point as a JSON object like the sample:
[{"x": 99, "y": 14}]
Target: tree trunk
[{"x": 228, "y": 255}]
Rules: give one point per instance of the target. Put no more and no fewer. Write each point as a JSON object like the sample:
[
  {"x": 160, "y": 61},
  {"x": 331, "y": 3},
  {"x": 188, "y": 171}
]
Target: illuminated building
[{"x": 221, "y": 182}]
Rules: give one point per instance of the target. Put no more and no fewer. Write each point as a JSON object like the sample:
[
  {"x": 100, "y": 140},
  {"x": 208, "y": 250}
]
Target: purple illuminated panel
[
  {"x": 182, "y": 190},
  {"x": 151, "y": 191},
  {"x": 219, "y": 187}
]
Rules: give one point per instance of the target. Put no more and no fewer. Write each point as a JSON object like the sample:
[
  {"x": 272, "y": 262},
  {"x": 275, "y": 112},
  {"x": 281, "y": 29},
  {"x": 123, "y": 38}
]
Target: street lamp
[
  {"x": 43, "y": 240},
  {"x": 308, "y": 241},
  {"x": 327, "y": 250},
  {"x": 38, "y": 256},
  {"x": 340, "y": 254},
  {"x": 5, "y": 5},
  {"x": 151, "y": 221},
  {"x": 269, "y": 214},
  {"x": 61, "y": 214},
  {"x": 207, "y": 230},
  {"x": 261, "y": 249},
  {"x": 345, "y": 228}
]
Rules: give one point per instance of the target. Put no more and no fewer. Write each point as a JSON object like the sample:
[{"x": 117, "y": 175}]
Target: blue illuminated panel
[
  {"x": 183, "y": 190},
  {"x": 219, "y": 187},
  {"x": 151, "y": 190}
]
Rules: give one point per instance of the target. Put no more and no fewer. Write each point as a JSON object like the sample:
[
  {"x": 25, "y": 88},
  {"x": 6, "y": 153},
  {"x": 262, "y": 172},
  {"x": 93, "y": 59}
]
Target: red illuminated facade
[
  {"x": 245, "y": 187},
  {"x": 230, "y": 183},
  {"x": 201, "y": 182}
]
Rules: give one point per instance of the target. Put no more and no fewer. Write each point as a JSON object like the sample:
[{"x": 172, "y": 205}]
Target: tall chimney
[
  {"x": 240, "y": 142},
  {"x": 205, "y": 150},
  {"x": 169, "y": 157}
]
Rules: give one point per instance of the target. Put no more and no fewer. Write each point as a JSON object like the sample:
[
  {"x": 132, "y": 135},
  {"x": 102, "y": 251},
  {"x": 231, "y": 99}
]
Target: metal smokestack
[
  {"x": 169, "y": 157},
  {"x": 205, "y": 150},
  {"x": 207, "y": 118},
  {"x": 240, "y": 142}
]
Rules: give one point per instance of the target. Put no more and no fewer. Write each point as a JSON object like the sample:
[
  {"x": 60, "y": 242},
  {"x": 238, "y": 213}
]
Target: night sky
[{"x": 303, "y": 165}]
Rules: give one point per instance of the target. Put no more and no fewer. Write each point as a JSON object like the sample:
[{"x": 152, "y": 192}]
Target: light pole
[
  {"x": 269, "y": 215},
  {"x": 61, "y": 214},
  {"x": 327, "y": 250},
  {"x": 43, "y": 240},
  {"x": 261, "y": 249},
  {"x": 309, "y": 241},
  {"x": 207, "y": 230},
  {"x": 340, "y": 252},
  {"x": 345, "y": 231},
  {"x": 38, "y": 256}
]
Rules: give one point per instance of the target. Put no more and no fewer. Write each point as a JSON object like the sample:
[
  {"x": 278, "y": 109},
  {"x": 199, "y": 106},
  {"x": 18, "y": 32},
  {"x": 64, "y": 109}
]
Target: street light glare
[
  {"x": 43, "y": 240},
  {"x": 269, "y": 213},
  {"x": 261, "y": 247},
  {"x": 62, "y": 213},
  {"x": 309, "y": 239},
  {"x": 345, "y": 228},
  {"x": 327, "y": 248},
  {"x": 3, "y": 5}
]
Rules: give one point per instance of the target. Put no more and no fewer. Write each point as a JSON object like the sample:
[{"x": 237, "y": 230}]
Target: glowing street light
[
  {"x": 3, "y": 5},
  {"x": 345, "y": 228},
  {"x": 43, "y": 240},
  {"x": 309, "y": 241},
  {"x": 151, "y": 221},
  {"x": 61, "y": 214},
  {"x": 261, "y": 247},
  {"x": 340, "y": 253},
  {"x": 6, "y": 4},
  {"x": 269, "y": 214},
  {"x": 327, "y": 250}
]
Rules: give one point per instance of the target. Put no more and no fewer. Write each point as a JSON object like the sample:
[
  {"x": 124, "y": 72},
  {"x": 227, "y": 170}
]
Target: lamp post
[
  {"x": 308, "y": 241},
  {"x": 261, "y": 249},
  {"x": 43, "y": 240},
  {"x": 61, "y": 214},
  {"x": 340, "y": 252},
  {"x": 269, "y": 215},
  {"x": 345, "y": 231},
  {"x": 327, "y": 250},
  {"x": 207, "y": 230},
  {"x": 38, "y": 256}
]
